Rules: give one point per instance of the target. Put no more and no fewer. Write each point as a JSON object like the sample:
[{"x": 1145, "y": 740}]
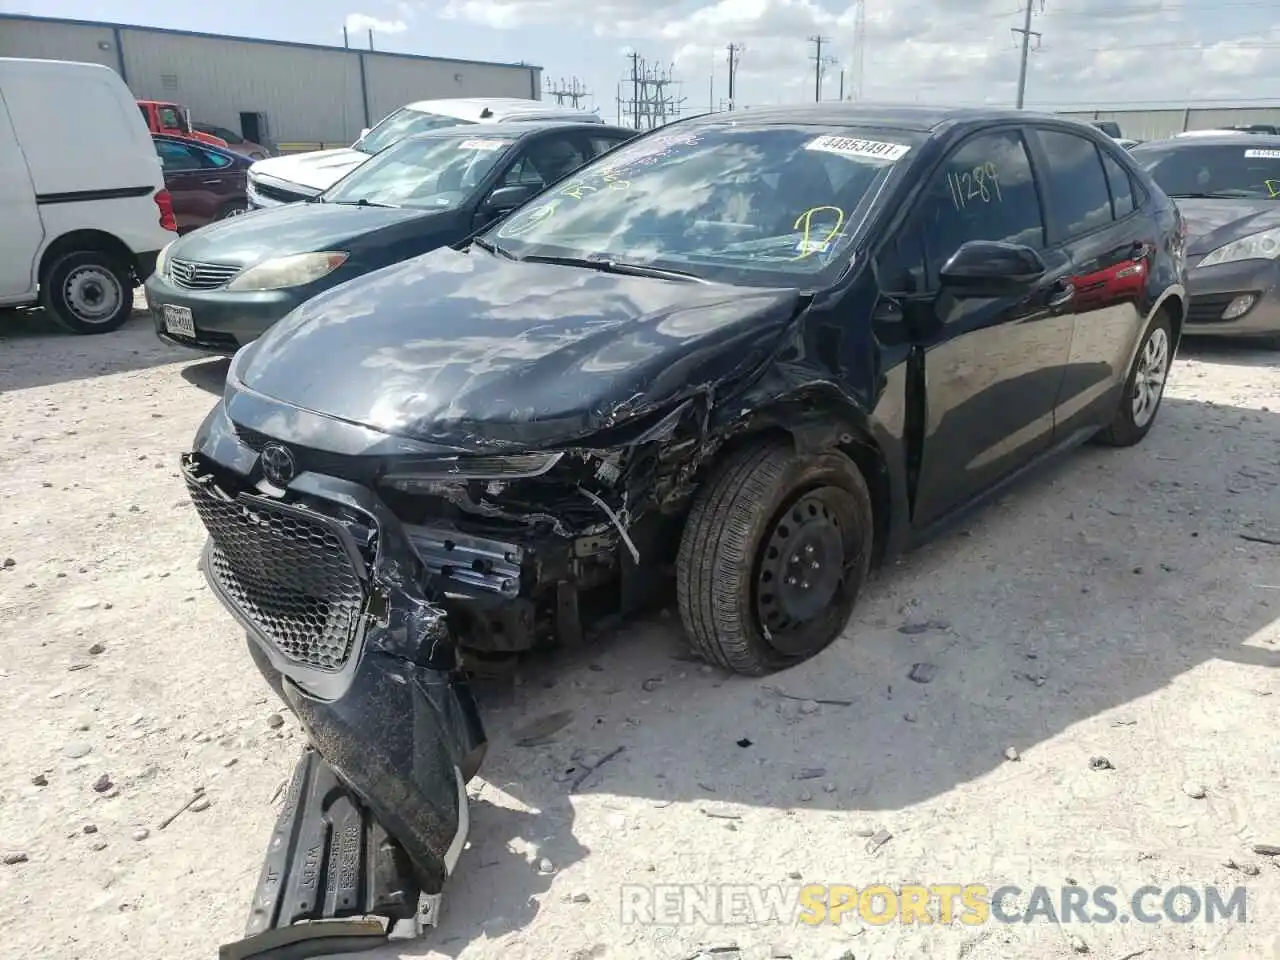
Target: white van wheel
[{"x": 88, "y": 292}]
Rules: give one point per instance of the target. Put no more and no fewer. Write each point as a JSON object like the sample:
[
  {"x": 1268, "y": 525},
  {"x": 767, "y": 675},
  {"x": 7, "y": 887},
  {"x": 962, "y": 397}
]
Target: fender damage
[{"x": 387, "y": 563}]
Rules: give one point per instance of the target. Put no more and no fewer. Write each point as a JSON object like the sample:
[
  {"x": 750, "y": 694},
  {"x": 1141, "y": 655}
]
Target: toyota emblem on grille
[
  {"x": 278, "y": 465},
  {"x": 182, "y": 271}
]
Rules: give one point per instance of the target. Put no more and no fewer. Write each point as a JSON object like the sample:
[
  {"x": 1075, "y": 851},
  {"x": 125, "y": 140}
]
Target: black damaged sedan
[
  {"x": 222, "y": 286},
  {"x": 752, "y": 354}
]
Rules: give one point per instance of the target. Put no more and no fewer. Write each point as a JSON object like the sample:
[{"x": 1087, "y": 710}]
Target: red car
[{"x": 207, "y": 183}]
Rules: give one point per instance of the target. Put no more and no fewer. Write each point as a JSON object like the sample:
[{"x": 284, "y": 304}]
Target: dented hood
[{"x": 471, "y": 349}]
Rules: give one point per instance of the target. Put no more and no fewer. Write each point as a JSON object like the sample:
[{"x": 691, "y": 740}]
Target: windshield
[
  {"x": 403, "y": 123},
  {"x": 740, "y": 201},
  {"x": 1214, "y": 170},
  {"x": 431, "y": 172}
]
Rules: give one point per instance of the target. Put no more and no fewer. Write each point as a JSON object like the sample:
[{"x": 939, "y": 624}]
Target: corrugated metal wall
[
  {"x": 311, "y": 95},
  {"x": 1155, "y": 124},
  {"x": 393, "y": 82}
]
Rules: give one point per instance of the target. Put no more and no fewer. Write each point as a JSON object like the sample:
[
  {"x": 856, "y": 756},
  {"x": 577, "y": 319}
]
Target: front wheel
[
  {"x": 1144, "y": 387},
  {"x": 88, "y": 291},
  {"x": 775, "y": 550}
]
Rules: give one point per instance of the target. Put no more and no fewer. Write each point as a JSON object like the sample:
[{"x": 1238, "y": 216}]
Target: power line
[
  {"x": 652, "y": 102},
  {"x": 1027, "y": 34}
]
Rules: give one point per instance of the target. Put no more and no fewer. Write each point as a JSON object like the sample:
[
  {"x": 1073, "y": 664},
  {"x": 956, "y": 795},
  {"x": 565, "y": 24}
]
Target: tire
[
  {"x": 88, "y": 291},
  {"x": 735, "y": 541},
  {"x": 233, "y": 209},
  {"x": 1130, "y": 424}
]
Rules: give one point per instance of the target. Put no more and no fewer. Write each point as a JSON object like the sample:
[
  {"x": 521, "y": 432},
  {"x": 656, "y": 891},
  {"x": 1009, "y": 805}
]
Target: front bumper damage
[{"x": 335, "y": 604}]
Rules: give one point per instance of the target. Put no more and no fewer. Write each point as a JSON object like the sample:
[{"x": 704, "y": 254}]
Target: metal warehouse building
[
  {"x": 1155, "y": 124},
  {"x": 308, "y": 94}
]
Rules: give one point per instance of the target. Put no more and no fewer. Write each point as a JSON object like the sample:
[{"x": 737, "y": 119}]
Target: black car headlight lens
[{"x": 514, "y": 466}]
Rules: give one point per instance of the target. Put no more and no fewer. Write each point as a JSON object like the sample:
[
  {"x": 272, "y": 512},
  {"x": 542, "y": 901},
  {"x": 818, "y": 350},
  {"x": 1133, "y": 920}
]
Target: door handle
[
  {"x": 1061, "y": 294},
  {"x": 211, "y": 183},
  {"x": 1138, "y": 250}
]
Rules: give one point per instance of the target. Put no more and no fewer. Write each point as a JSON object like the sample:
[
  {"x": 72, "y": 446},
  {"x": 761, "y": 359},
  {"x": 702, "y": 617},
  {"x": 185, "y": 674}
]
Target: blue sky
[{"x": 1094, "y": 52}]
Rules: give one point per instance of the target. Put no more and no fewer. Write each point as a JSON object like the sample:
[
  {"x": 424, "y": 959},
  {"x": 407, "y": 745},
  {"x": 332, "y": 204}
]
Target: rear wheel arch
[{"x": 89, "y": 241}]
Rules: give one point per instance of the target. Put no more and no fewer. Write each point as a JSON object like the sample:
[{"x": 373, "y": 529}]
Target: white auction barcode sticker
[{"x": 865, "y": 149}]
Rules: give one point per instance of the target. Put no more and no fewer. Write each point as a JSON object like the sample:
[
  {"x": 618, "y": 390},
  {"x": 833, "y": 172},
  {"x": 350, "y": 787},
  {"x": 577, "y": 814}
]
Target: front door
[
  {"x": 203, "y": 183},
  {"x": 991, "y": 366}
]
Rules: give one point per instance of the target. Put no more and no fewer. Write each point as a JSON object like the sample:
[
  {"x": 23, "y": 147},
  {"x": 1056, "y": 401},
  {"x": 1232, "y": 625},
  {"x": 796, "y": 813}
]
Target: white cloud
[
  {"x": 362, "y": 23},
  {"x": 1091, "y": 52}
]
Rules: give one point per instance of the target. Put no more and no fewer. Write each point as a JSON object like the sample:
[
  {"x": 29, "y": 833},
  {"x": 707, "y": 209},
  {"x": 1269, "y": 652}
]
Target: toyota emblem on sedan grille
[{"x": 278, "y": 465}]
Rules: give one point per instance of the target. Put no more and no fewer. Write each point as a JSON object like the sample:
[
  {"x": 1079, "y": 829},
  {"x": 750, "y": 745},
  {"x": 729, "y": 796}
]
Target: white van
[
  {"x": 301, "y": 176},
  {"x": 83, "y": 208}
]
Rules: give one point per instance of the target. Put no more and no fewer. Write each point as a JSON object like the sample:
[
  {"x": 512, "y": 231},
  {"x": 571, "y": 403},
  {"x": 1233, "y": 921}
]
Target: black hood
[
  {"x": 1211, "y": 223},
  {"x": 296, "y": 228},
  {"x": 471, "y": 350}
]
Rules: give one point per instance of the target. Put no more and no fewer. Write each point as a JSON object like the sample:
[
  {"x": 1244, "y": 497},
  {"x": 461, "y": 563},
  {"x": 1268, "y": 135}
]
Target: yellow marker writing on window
[
  {"x": 804, "y": 223},
  {"x": 1273, "y": 188}
]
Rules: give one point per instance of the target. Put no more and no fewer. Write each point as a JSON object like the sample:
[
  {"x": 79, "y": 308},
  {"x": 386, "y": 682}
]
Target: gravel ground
[{"x": 1111, "y": 607}]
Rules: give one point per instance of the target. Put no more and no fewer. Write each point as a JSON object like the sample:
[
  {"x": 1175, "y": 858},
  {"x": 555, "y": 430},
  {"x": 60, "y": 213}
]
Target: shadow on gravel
[
  {"x": 210, "y": 376},
  {"x": 1239, "y": 353},
  {"x": 1023, "y": 638},
  {"x": 36, "y": 352}
]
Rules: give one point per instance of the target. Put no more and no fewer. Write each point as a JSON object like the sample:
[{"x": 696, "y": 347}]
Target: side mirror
[
  {"x": 991, "y": 268},
  {"x": 506, "y": 199}
]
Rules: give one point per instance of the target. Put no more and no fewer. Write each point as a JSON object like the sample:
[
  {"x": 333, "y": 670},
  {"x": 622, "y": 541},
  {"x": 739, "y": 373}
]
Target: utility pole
[
  {"x": 1027, "y": 34},
  {"x": 841, "y": 84},
  {"x": 711, "y": 94},
  {"x": 652, "y": 102},
  {"x": 635, "y": 88},
  {"x": 819, "y": 62},
  {"x": 371, "y": 38},
  {"x": 734, "y": 50}
]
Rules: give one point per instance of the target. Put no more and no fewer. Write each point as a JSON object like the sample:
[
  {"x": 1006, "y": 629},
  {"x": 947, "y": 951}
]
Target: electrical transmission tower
[
  {"x": 859, "y": 50},
  {"x": 571, "y": 93},
  {"x": 655, "y": 95},
  {"x": 1027, "y": 33},
  {"x": 820, "y": 64}
]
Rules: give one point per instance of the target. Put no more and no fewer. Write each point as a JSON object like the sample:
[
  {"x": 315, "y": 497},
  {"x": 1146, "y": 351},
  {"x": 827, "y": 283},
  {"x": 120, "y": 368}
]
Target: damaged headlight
[
  {"x": 510, "y": 467},
  {"x": 292, "y": 271}
]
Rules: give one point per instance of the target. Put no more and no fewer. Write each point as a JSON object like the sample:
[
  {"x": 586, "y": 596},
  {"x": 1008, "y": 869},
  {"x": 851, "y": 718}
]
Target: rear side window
[
  {"x": 601, "y": 145},
  {"x": 211, "y": 160},
  {"x": 1122, "y": 202},
  {"x": 1076, "y": 183},
  {"x": 176, "y": 157}
]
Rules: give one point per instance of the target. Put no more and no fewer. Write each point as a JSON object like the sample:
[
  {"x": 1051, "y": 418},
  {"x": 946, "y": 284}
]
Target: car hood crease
[{"x": 474, "y": 351}]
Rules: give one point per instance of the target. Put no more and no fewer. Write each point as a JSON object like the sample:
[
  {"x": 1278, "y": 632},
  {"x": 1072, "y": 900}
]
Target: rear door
[
  {"x": 23, "y": 231},
  {"x": 991, "y": 366},
  {"x": 1111, "y": 245},
  {"x": 196, "y": 190}
]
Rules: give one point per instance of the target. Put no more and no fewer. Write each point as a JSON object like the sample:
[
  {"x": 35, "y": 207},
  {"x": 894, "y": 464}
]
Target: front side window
[
  {"x": 1076, "y": 183},
  {"x": 211, "y": 160},
  {"x": 753, "y": 202},
  {"x": 983, "y": 191},
  {"x": 1244, "y": 171},
  {"x": 403, "y": 123},
  {"x": 437, "y": 173}
]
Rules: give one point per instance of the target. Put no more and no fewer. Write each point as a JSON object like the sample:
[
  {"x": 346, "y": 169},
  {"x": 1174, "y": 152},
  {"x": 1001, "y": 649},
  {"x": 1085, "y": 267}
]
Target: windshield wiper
[
  {"x": 1210, "y": 196},
  {"x": 605, "y": 265},
  {"x": 362, "y": 202},
  {"x": 493, "y": 248}
]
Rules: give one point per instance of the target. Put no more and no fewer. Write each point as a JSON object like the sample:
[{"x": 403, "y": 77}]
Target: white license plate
[{"x": 178, "y": 320}]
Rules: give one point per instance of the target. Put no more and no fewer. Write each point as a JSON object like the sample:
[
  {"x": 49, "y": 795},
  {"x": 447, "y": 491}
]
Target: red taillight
[{"x": 164, "y": 201}]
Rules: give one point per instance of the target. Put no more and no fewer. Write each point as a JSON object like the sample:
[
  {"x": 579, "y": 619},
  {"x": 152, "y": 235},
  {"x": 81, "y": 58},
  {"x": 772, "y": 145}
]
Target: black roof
[
  {"x": 1246, "y": 141},
  {"x": 519, "y": 128},
  {"x": 894, "y": 115}
]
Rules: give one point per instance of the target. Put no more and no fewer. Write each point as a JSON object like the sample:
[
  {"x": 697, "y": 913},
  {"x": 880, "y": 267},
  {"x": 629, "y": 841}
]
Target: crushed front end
[{"x": 336, "y": 606}]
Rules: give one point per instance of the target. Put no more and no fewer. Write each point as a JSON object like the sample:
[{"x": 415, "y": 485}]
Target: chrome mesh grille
[
  {"x": 286, "y": 570},
  {"x": 200, "y": 276}
]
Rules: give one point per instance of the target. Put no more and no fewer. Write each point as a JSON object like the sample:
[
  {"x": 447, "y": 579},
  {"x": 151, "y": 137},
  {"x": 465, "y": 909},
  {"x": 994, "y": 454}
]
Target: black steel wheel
[{"x": 773, "y": 556}]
